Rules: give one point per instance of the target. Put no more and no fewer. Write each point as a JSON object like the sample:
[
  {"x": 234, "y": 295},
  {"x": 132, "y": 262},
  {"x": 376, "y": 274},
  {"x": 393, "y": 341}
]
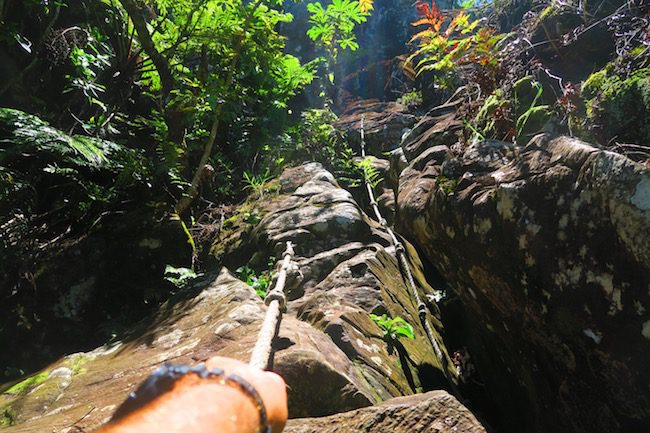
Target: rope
[
  {"x": 277, "y": 302},
  {"x": 400, "y": 253}
]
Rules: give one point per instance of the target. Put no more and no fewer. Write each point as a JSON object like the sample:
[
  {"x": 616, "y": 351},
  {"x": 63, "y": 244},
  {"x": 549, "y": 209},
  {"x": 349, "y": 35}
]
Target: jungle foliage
[
  {"x": 175, "y": 99},
  {"x": 136, "y": 116}
]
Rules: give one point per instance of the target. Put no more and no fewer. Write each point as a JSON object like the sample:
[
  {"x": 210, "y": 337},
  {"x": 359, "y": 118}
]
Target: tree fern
[{"x": 31, "y": 134}]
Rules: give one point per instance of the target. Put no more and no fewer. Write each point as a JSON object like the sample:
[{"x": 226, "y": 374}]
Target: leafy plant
[
  {"x": 213, "y": 65},
  {"x": 179, "y": 277},
  {"x": 251, "y": 217},
  {"x": 333, "y": 27},
  {"x": 257, "y": 182},
  {"x": 260, "y": 283},
  {"x": 462, "y": 42},
  {"x": 411, "y": 99},
  {"x": 88, "y": 64},
  {"x": 369, "y": 172},
  {"x": 78, "y": 175},
  {"x": 523, "y": 119},
  {"x": 314, "y": 138},
  {"x": 393, "y": 328},
  {"x": 446, "y": 184}
]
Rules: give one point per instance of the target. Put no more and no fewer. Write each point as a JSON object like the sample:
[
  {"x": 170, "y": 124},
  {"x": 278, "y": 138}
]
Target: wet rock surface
[
  {"x": 220, "y": 318},
  {"x": 548, "y": 248}
]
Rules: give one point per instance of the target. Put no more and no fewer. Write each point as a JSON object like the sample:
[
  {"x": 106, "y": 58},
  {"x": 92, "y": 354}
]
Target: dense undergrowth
[{"x": 134, "y": 129}]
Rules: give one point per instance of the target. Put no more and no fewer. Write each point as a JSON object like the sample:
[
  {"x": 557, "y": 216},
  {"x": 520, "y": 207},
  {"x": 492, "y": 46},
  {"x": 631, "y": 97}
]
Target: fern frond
[
  {"x": 420, "y": 22},
  {"x": 88, "y": 149},
  {"x": 424, "y": 35}
]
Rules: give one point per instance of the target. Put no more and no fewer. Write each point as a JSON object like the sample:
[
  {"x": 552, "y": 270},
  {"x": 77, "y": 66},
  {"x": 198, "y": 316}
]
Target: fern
[
  {"x": 460, "y": 43},
  {"x": 393, "y": 328},
  {"x": 370, "y": 173},
  {"x": 32, "y": 134}
]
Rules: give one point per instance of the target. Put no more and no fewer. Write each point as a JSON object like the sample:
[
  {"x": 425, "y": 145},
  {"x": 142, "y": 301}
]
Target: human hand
[
  {"x": 200, "y": 405},
  {"x": 269, "y": 385}
]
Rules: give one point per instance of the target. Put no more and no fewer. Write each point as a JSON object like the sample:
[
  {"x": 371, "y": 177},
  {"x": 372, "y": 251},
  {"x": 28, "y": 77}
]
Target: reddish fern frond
[
  {"x": 461, "y": 21},
  {"x": 431, "y": 15}
]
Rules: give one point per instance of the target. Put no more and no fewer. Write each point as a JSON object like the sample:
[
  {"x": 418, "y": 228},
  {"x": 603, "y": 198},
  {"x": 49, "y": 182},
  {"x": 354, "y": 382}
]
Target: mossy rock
[
  {"x": 553, "y": 22},
  {"x": 7, "y": 416},
  {"x": 27, "y": 384},
  {"x": 619, "y": 106}
]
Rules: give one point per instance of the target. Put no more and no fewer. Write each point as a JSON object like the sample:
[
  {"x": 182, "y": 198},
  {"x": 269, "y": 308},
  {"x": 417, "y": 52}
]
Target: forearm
[
  {"x": 197, "y": 408},
  {"x": 224, "y": 395}
]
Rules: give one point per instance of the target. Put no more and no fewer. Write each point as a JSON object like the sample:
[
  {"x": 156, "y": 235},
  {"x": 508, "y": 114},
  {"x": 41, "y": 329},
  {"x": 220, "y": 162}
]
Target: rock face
[
  {"x": 384, "y": 125},
  {"x": 347, "y": 270},
  {"x": 432, "y": 412},
  {"x": 222, "y": 318},
  {"x": 332, "y": 355},
  {"x": 548, "y": 248}
]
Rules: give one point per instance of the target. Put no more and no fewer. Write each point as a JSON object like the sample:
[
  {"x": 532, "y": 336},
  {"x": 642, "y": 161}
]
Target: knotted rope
[
  {"x": 276, "y": 301},
  {"x": 400, "y": 253}
]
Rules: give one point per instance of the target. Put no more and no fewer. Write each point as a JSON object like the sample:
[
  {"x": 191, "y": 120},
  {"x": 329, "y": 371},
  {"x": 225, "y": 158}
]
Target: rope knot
[
  {"x": 275, "y": 295},
  {"x": 422, "y": 309}
]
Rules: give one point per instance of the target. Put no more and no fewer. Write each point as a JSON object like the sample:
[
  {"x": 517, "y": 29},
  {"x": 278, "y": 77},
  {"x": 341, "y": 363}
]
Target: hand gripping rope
[{"x": 163, "y": 378}]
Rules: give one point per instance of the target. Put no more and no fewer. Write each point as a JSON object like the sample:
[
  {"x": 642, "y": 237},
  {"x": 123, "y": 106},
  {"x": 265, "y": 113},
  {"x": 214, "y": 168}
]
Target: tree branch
[
  {"x": 167, "y": 80},
  {"x": 187, "y": 199}
]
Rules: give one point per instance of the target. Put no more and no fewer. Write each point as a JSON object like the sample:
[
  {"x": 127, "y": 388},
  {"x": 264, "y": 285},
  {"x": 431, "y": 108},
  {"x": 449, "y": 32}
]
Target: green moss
[
  {"x": 594, "y": 83},
  {"x": 411, "y": 99},
  {"x": 76, "y": 364},
  {"x": 619, "y": 105},
  {"x": 29, "y": 383},
  {"x": 638, "y": 51},
  {"x": 548, "y": 12},
  {"x": 8, "y": 417}
]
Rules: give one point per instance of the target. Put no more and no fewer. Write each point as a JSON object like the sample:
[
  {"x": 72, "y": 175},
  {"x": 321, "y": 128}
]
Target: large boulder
[
  {"x": 347, "y": 270},
  {"x": 431, "y": 131},
  {"x": 548, "y": 248}
]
